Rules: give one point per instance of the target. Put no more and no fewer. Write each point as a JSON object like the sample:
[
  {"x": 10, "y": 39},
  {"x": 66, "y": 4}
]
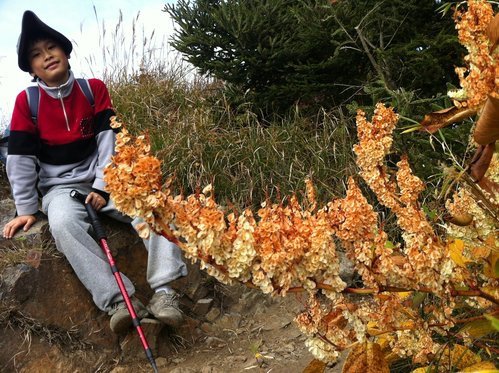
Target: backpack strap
[
  {"x": 33, "y": 95},
  {"x": 87, "y": 91}
]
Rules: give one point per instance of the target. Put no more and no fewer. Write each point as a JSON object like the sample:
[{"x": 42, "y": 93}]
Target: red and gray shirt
[{"x": 71, "y": 142}]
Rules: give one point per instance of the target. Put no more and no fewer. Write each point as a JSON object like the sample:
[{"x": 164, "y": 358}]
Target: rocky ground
[{"x": 48, "y": 322}]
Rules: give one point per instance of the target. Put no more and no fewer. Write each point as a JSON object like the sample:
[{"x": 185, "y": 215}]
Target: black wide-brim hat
[{"x": 33, "y": 29}]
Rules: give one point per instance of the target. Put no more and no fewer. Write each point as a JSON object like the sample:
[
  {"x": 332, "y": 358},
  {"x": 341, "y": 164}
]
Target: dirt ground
[{"x": 258, "y": 335}]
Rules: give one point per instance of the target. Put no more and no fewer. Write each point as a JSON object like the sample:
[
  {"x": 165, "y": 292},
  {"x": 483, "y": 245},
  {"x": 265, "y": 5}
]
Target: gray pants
[{"x": 70, "y": 227}]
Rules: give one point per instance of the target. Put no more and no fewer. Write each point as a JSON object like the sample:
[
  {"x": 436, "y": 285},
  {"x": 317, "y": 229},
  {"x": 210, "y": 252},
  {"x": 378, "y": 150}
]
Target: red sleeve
[
  {"x": 21, "y": 116},
  {"x": 101, "y": 96}
]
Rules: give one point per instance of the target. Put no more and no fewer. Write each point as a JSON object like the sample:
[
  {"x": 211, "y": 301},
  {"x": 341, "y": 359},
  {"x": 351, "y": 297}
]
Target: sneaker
[
  {"x": 120, "y": 317},
  {"x": 164, "y": 306}
]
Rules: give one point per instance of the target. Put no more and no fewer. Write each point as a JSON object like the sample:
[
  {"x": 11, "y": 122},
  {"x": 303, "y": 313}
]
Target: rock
[
  {"x": 17, "y": 283},
  {"x": 214, "y": 342},
  {"x": 202, "y": 306},
  {"x": 131, "y": 346},
  {"x": 161, "y": 362},
  {"x": 207, "y": 328},
  {"x": 213, "y": 314},
  {"x": 8, "y": 212},
  {"x": 229, "y": 321},
  {"x": 189, "y": 330}
]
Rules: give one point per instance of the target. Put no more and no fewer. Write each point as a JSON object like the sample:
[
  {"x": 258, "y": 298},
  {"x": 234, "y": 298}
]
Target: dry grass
[{"x": 70, "y": 339}]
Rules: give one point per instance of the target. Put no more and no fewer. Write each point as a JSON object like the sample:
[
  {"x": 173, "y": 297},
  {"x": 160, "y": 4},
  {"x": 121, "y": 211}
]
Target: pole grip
[{"x": 94, "y": 219}]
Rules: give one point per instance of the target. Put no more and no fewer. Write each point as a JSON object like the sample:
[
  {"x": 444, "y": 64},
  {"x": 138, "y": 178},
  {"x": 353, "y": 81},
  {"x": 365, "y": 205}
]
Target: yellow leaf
[
  {"x": 460, "y": 356},
  {"x": 478, "y": 328},
  {"x": 404, "y": 294},
  {"x": 366, "y": 358},
  {"x": 391, "y": 358},
  {"x": 456, "y": 248},
  {"x": 493, "y": 291},
  {"x": 426, "y": 369},
  {"x": 491, "y": 268},
  {"x": 482, "y": 367},
  {"x": 315, "y": 366},
  {"x": 384, "y": 342}
]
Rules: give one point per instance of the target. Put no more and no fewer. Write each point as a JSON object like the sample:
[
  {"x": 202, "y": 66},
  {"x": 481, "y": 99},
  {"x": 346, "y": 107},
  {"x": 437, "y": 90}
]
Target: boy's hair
[{"x": 33, "y": 29}]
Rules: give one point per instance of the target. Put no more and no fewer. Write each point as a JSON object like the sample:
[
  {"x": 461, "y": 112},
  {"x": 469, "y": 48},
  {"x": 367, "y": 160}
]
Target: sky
[{"x": 77, "y": 20}]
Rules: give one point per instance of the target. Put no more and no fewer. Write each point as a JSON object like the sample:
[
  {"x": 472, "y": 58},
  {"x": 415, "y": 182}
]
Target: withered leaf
[
  {"x": 315, "y": 366},
  {"x": 367, "y": 358},
  {"x": 434, "y": 121}
]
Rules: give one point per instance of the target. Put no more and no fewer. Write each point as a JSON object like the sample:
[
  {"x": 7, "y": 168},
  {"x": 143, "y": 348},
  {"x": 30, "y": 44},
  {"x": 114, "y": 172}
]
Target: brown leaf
[
  {"x": 481, "y": 161},
  {"x": 434, "y": 121},
  {"x": 493, "y": 32},
  {"x": 367, "y": 358},
  {"x": 315, "y": 366},
  {"x": 487, "y": 126}
]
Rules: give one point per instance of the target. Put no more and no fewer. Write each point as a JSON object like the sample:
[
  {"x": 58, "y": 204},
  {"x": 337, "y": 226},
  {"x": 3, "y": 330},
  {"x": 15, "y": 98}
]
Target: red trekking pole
[{"x": 101, "y": 236}]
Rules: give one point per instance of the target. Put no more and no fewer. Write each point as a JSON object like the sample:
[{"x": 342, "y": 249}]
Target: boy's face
[{"x": 49, "y": 62}]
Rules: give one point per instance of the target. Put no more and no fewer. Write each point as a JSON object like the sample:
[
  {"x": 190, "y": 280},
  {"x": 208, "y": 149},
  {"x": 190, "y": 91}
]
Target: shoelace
[{"x": 168, "y": 300}]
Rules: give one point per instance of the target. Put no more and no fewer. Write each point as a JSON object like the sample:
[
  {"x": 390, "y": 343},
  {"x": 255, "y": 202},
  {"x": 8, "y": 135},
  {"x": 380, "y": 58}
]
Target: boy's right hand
[{"x": 24, "y": 221}]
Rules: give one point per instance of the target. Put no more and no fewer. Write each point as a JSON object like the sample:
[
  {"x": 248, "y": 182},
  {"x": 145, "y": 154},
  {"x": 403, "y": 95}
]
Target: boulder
[{"x": 42, "y": 299}]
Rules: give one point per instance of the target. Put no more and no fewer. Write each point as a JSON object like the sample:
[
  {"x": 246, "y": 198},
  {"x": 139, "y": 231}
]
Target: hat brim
[{"x": 32, "y": 29}]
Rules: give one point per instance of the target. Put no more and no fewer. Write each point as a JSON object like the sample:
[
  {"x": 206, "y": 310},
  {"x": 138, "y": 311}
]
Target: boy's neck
[
  {"x": 58, "y": 83},
  {"x": 61, "y": 90}
]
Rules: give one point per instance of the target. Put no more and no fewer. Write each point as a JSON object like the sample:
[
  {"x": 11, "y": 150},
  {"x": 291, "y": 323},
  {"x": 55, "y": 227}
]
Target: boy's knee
[{"x": 61, "y": 226}]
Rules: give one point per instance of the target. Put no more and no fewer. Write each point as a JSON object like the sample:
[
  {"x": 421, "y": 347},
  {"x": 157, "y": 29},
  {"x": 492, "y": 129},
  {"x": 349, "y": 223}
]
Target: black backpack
[{"x": 33, "y": 95}]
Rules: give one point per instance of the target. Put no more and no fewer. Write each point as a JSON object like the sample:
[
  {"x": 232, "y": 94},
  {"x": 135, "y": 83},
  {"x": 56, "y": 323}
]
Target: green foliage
[
  {"x": 276, "y": 53},
  {"x": 212, "y": 131}
]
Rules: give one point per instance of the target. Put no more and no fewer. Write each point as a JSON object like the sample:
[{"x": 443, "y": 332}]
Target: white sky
[{"x": 77, "y": 21}]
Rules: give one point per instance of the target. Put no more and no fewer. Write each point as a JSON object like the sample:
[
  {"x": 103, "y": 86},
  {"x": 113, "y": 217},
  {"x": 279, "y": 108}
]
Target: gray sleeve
[
  {"x": 22, "y": 174},
  {"x": 105, "y": 145}
]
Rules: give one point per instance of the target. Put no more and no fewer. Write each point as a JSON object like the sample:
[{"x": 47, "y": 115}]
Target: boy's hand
[
  {"x": 96, "y": 201},
  {"x": 24, "y": 221}
]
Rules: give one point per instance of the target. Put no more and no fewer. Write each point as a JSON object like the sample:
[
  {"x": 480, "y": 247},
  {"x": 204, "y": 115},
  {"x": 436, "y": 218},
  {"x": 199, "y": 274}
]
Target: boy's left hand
[{"x": 96, "y": 201}]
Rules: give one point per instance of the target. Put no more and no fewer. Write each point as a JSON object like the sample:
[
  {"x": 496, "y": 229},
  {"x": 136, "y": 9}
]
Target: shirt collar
[{"x": 61, "y": 91}]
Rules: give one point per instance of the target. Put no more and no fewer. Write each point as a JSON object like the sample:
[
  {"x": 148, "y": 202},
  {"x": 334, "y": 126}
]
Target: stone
[
  {"x": 207, "y": 328},
  {"x": 214, "y": 342},
  {"x": 229, "y": 321},
  {"x": 202, "y": 306},
  {"x": 17, "y": 283},
  {"x": 131, "y": 346},
  {"x": 213, "y": 314}
]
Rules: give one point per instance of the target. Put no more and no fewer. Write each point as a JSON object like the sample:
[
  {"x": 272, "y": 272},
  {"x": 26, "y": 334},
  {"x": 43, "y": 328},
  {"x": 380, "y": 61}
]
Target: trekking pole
[{"x": 101, "y": 236}]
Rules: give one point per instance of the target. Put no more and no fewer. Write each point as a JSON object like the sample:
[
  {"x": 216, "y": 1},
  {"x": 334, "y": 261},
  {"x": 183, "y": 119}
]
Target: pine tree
[{"x": 276, "y": 53}]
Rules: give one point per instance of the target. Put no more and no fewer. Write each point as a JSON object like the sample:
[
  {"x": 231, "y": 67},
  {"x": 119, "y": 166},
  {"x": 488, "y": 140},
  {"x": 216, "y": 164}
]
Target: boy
[{"x": 67, "y": 148}]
